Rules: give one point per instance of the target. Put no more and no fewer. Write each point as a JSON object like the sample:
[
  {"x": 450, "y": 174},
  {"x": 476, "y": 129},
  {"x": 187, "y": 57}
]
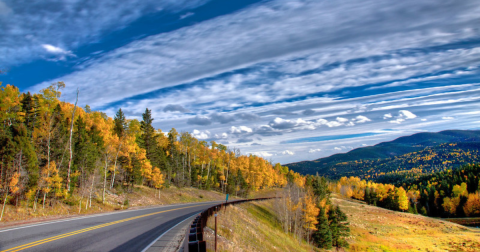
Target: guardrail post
[{"x": 215, "y": 232}]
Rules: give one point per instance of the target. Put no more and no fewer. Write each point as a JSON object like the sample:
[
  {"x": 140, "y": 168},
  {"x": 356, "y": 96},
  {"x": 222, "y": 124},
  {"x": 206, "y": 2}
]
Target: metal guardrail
[{"x": 193, "y": 241}]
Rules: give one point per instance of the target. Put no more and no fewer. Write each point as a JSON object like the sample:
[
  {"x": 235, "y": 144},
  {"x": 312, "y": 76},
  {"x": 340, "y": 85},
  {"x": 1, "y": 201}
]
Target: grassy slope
[
  {"x": 251, "y": 227},
  {"x": 378, "y": 229},
  {"x": 141, "y": 196}
]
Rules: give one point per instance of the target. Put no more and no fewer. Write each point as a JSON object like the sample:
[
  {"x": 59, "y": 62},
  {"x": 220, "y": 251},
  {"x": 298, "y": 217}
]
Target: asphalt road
[{"x": 130, "y": 230}]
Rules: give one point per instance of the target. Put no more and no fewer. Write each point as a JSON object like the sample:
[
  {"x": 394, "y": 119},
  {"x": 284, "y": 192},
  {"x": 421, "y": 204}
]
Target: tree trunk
[
  {"x": 176, "y": 171},
  {"x": 48, "y": 145},
  {"x": 70, "y": 141},
  {"x": 91, "y": 190},
  {"x": 190, "y": 170},
  {"x": 4, "y": 201},
  {"x": 35, "y": 202},
  {"x": 105, "y": 179},
  {"x": 208, "y": 170},
  {"x": 183, "y": 169},
  {"x": 115, "y": 166},
  {"x": 201, "y": 176}
]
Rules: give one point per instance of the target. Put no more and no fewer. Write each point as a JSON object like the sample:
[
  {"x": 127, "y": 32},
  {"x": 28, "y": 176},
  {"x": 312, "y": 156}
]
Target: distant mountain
[{"x": 414, "y": 155}]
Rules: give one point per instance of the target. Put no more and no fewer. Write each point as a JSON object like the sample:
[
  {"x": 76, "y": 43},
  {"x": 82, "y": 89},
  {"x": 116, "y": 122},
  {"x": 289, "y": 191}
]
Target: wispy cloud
[
  {"x": 331, "y": 137},
  {"x": 4, "y": 9},
  {"x": 175, "y": 108},
  {"x": 218, "y": 45},
  {"x": 402, "y": 116},
  {"x": 54, "y": 49},
  {"x": 186, "y": 15},
  {"x": 27, "y": 26}
]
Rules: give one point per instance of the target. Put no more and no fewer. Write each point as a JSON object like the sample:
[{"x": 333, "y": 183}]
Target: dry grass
[
  {"x": 265, "y": 193},
  {"x": 378, "y": 229},
  {"x": 115, "y": 200},
  {"x": 251, "y": 227}
]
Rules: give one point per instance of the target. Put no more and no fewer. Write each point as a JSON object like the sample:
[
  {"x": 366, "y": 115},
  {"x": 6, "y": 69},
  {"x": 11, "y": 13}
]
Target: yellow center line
[{"x": 39, "y": 242}]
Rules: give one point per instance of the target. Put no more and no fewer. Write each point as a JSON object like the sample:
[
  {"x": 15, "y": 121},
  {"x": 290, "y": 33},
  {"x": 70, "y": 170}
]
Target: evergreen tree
[
  {"x": 322, "y": 236},
  {"x": 390, "y": 202},
  {"x": 120, "y": 124},
  {"x": 339, "y": 227},
  {"x": 28, "y": 108},
  {"x": 423, "y": 211},
  {"x": 25, "y": 153},
  {"x": 147, "y": 137},
  {"x": 320, "y": 187},
  {"x": 173, "y": 166},
  {"x": 367, "y": 197}
]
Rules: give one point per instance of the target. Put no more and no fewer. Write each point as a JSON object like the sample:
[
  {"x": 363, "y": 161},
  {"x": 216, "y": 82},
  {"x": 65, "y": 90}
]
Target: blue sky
[{"x": 287, "y": 80}]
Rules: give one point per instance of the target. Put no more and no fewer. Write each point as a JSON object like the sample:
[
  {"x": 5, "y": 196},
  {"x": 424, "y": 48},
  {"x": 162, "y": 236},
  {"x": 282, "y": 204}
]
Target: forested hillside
[
  {"x": 51, "y": 150},
  {"x": 451, "y": 193},
  {"x": 406, "y": 157}
]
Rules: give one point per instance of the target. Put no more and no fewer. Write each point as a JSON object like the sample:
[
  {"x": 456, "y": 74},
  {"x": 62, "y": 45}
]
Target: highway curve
[{"x": 131, "y": 230}]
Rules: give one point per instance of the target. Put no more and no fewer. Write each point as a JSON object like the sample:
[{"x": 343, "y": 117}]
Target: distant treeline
[
  {"x": 50, "y": 150},
  {"x": 409, "y": 157},
  {"x": 451, "y": 193}
]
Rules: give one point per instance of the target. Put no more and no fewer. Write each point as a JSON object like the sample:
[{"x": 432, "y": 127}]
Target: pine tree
[
  {"x": 26, "y": 156},
  {"x": 367, "y": 197},
  {"x": 28, "y": 109},
  {"x": 323, "y": 236},
  {"x": 147, "y": 137},
  {"x": 320, "y": 187},
  {"x": 119, "y": 127},
  {"x": 120, "y": 123},
  {"x": 339, "y": 227}
]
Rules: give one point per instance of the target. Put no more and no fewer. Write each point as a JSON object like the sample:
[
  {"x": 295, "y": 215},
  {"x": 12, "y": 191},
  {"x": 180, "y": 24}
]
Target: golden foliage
[{"x": 472, "y": 206}]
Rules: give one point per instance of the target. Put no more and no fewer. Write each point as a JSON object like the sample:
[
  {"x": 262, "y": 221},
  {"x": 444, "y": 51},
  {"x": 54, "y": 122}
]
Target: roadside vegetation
[
  {"x": 252, "y": 227},
  {"x": 56, "y": 155}
]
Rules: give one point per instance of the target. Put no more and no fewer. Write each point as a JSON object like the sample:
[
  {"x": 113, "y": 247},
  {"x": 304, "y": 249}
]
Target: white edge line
[
  {"x": 104, "y": 214},
  {"x": 158, "y": 238}
]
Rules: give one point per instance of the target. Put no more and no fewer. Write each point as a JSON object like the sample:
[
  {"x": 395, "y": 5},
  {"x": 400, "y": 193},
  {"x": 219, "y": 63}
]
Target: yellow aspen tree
[
  {"x": 12, "y": 187},
  {"x": 460, "y": 190},
  {"x": 157, "y": 179},
  {"x": 450, "y": 204},
  {"x": 472, "y": 206},
  {"x": 55, "y": 180},
  {"x": 310, "y": 213},
  {"x": 9, "y": 100},
  {"x": 402, "y": 199}
]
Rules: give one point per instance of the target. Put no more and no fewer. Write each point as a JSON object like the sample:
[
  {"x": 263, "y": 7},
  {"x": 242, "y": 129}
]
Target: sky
[{"x": 286, "y": 80}]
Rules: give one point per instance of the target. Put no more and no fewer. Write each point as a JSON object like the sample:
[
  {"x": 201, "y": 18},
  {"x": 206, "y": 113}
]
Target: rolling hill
[{"x": 408, "y": 156}]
